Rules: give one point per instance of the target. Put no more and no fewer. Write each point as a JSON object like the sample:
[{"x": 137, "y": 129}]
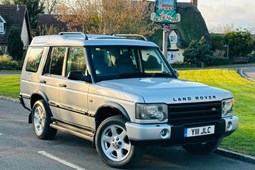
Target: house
[
  {"x": 45, "y": 21},
  {"x": 14, "y": 16},
  {"x": 174, "y": 53}
]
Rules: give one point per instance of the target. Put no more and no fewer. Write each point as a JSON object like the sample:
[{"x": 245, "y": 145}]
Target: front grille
[{"x": 180, "y": 114}]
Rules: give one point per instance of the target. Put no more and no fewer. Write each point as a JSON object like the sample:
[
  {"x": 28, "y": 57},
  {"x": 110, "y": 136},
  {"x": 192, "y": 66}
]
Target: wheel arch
[
  {"x": 109, "y": 109},
  {"x": 35, "y": 97}
]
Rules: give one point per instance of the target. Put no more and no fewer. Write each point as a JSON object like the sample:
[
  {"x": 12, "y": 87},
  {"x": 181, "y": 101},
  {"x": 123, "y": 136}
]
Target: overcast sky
[{"x": 219, "y": 13}]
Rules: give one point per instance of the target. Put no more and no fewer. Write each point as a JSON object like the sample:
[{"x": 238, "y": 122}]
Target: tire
[
  {"x": 202, "y": 148},
  {"x": 113, "y": 145},
  {"x": 41, "y": 120}
]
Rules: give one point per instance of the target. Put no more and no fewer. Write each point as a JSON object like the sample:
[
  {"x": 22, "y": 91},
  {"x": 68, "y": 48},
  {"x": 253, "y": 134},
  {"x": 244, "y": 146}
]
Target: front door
[{"x": 73, "y": 94}]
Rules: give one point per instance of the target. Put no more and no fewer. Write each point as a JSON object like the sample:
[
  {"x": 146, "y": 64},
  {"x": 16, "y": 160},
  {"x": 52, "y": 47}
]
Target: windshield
[{"x": 128, "y": 62}]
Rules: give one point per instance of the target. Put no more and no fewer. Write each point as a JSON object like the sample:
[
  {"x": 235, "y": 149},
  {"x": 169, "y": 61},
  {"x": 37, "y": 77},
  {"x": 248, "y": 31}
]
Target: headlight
[
  {"x": 227, "y": 107},
  {"x": 152, "y": 113}
]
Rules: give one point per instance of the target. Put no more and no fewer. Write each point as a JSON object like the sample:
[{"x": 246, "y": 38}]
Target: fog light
[
  {"x": 164, "y": 133},
  {"x": 229, "y": 126}
]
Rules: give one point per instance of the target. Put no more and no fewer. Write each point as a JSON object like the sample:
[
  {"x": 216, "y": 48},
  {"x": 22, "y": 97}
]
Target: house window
[
  {"x": 173, "y": 39},
  {"x": 1, "y": 27}
]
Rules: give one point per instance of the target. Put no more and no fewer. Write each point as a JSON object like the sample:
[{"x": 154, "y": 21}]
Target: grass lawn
[
  {"x": 9, "y": 86},
  {"x": 243, "y": 140}
]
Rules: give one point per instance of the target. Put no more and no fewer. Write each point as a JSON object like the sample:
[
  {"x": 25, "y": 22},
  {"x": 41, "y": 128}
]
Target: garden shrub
[{"x": 6, "y": 63}]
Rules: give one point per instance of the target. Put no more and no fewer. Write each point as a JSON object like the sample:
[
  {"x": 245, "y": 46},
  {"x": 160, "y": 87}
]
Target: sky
[{"x": 221, "y": 14}]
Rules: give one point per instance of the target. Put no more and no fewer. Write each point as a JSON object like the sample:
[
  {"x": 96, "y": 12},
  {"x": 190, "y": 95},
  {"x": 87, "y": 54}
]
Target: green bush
[
  {"x": 215, "y": 61},
  {"x": 6, "y": 63}
]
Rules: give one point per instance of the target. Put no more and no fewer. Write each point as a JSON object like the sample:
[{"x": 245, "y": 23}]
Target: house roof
[
  {"x": 51, "y": 20},
  {"x": 192, "y": 25},
  {"x": 14, "y": 17}
]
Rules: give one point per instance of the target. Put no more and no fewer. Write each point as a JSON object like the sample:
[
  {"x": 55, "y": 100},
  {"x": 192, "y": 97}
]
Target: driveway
[
  {"x": 21, "y": 150},
  {"x": 248, "y": 72}
]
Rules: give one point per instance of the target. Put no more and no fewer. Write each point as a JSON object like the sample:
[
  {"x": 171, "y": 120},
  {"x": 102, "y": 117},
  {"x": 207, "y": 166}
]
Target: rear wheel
[
  {"x": 113, "y": 145},
  {"x": 202, "y": 148},
  {"x": 41, "y": 121}
]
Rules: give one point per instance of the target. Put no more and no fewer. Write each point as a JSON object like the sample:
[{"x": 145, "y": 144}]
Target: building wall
[
  {"x": 194, "y": 2},
  {"x": 24, "y": 35},
  {"x": 174, "y": 54}
]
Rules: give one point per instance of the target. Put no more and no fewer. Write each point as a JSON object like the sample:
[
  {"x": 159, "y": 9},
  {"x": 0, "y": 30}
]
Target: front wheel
[
  {"x": 202, "y": 148},
  {"x": 113, "y": 145}
]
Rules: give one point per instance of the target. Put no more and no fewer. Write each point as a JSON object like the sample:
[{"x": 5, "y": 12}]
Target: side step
[{"x": 85, "y": 134}]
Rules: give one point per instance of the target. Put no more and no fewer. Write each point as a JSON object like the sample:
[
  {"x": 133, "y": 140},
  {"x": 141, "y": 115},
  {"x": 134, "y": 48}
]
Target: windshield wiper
[
  {"x": 132, "y": 75},
  {"x": 162, "y": 75}
]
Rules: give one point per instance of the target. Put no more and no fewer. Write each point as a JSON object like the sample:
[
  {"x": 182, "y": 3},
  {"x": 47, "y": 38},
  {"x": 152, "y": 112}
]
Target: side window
[
  {"x": 55, "y": 61},
  {"x": 151, "y": 62},
  {"x": 33, "y": 58},
  {"x": 76, "y": 60}
]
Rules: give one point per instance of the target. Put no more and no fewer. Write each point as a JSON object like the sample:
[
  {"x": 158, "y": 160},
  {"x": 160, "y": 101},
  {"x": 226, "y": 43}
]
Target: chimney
[{"x": 194, "y": 2}]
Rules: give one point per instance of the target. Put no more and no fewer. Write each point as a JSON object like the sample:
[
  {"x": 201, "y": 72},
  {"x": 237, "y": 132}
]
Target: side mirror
[
  {"x": 176, "y": 73},
  {"x": 77, "y": 75}
]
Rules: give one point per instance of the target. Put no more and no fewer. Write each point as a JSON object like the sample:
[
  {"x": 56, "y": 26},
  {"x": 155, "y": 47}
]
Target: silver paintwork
[
  {"x": 234, "y": 122},
  {"x": 122, "y": 94},
  {"x": 138, "y": 132},
  {"x": 152, "y": 132}
]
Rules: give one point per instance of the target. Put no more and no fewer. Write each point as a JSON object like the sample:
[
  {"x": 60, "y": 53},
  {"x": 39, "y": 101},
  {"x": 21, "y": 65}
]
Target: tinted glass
[
  {"x": 55, "y": 61},
  {"x": 33, "y": 58},
  {"x": 76, "y": 60},
  {"x": 123, "y": 62}
]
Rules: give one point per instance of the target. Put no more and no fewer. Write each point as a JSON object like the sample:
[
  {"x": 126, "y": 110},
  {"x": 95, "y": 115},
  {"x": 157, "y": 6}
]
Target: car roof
[{"x": 80, "y": 39}]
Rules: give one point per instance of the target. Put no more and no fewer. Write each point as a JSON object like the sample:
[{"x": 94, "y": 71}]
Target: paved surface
[
  {"x": 248, "y": 72},
  {"x": 19, "y": 150}
]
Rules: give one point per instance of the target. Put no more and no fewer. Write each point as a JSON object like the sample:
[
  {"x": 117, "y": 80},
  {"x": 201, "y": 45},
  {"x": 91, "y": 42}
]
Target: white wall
[{"x": 24, "y": 34}]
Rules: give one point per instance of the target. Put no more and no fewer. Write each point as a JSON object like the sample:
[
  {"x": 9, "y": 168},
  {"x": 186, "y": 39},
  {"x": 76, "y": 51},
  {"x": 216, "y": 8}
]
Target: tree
[
  {"x": 50, "y": 5},
  {"x": 6, "y": 2},
  {"x": 198, "y": 52},
  {"x": 240, "y": 43},
  {"x": 48, "y": 30},
  {"x": 217, "y": 41},
  {"x": 34, "y": 7},
  {"x": 115, "y": 16},
  {"x": 15, "y": 44}
]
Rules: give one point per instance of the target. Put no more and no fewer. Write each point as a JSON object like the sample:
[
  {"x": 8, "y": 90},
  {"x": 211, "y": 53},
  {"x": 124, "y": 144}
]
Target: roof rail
[
  {"x": 131, "y": 35},
  {"x": 74, "y": 33}
]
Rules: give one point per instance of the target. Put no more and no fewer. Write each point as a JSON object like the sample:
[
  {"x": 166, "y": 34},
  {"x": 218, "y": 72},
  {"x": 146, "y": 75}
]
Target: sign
[{"x": 165, "y": 12}]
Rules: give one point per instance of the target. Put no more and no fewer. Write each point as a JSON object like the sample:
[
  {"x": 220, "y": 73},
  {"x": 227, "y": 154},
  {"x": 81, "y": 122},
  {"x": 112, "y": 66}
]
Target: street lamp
[{"x": 227, "y": 46}]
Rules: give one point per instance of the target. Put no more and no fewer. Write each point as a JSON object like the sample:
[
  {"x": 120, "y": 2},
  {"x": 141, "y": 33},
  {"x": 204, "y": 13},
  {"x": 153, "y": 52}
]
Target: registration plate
[{"x": 199, "y": 131}]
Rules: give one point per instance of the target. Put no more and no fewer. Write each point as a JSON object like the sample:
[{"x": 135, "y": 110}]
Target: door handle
[
  {"x": 43, "y": 81},
  {"x": 62, "y": 85}
]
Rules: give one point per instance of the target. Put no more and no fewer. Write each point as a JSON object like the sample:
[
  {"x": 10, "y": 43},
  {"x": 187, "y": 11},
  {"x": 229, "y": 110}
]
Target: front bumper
[{"x": 161, "y": 134}]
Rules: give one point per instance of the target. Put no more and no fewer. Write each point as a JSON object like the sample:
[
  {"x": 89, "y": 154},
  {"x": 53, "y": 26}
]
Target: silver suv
[{"x": 121, "y": 94}]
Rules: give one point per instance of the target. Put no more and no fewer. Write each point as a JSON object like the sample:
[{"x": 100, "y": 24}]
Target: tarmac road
[
  {"x": 19, "y": 149},
  {"x": 249, "y": 72}
]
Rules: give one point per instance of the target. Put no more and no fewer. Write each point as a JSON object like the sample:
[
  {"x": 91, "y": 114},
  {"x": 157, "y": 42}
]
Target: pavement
[{"x": 246, "y": 71}]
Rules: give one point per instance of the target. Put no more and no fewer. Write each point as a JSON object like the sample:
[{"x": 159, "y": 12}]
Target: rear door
[{"x": 52, "y": 76}]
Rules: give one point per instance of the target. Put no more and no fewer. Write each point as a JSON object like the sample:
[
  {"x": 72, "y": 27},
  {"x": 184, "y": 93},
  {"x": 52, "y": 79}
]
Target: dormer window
[{"x": 2, "y": 25}]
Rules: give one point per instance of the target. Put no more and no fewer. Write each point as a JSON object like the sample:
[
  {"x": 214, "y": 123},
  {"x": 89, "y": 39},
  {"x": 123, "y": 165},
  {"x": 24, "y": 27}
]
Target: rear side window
[
  {"x": 55, "y": 61},
  {"x": 33, "y": 58}
]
